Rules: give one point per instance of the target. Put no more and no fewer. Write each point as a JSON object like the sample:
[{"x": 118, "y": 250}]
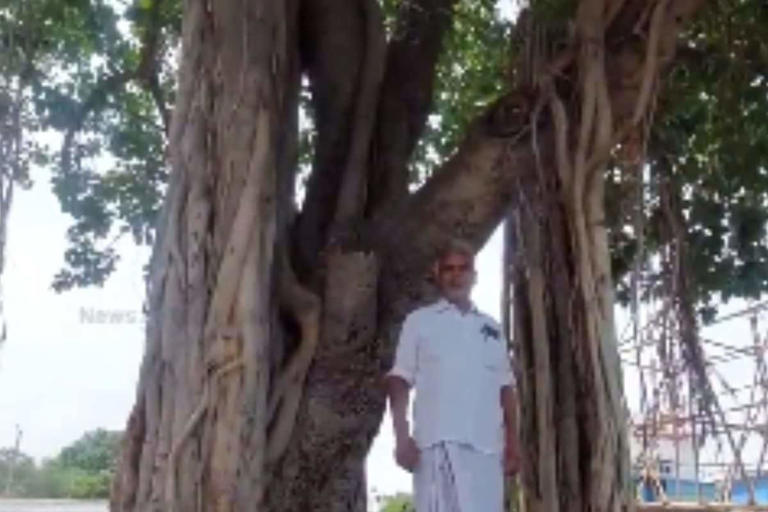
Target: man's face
[{"x": 455, "y": 276}]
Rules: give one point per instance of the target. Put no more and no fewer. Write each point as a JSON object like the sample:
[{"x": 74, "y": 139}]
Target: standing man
[{"x": 456, "y": 360}]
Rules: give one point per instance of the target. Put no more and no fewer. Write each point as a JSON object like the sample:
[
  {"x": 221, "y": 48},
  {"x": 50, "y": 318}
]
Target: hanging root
[
  {"x": 650, "y": 68},
  {"x": 289, "y": 385},
  {"x": 223, "y": 300},
  {"x": 584, "y": 138},
  {"x": 194, "y": 419},
  {"x": 560, "y": 119},
  {"x": 230, "y": 271},
  {"x": 304, "y": 305}
]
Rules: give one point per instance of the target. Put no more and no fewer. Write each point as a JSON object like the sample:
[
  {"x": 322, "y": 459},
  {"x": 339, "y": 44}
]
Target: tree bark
[
  {"x": 269, "y": 331},
  {"x": 407, "y": 92},
  {"x": 333, "y": 48},
  {"x": 573, "y": 429},
  {"x": 196, "y": 439},
  {"x": 574, "y": 419}
]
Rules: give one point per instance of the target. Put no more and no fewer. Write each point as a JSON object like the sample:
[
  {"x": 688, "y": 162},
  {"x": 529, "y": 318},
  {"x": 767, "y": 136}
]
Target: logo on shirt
[{"x": 489, "y": 331}]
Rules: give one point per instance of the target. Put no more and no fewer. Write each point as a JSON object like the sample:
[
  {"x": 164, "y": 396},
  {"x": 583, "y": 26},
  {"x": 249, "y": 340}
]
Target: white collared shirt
[{"x": 457, "y": 363}]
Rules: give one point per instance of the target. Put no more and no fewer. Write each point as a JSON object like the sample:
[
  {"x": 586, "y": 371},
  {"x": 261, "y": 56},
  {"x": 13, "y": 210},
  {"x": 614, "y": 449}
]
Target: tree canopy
[
  {"x": 708, "y": 146},
  {"x": 98, "y": 75},
  {"x": 101, "y": 75}
]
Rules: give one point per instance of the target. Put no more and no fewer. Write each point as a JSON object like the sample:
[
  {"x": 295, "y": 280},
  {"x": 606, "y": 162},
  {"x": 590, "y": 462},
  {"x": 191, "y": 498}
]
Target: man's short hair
[{"x": 455, "y": 246}]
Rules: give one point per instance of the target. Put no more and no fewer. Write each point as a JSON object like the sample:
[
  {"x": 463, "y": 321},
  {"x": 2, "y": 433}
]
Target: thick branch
[
  {"x": 305, "y": 307},
  {"x": 332, "y": 51},
  {"x": 352, "y": 192},
  {"x": 467, "y": 197},
  {"x": 406, "y": 93},
  {"x": 626, "y": 60},
  {"x": 470, "y": 194}
]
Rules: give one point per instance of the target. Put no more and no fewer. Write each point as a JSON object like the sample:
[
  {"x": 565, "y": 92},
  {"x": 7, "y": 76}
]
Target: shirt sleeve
[{"x": 405, "y": 356}]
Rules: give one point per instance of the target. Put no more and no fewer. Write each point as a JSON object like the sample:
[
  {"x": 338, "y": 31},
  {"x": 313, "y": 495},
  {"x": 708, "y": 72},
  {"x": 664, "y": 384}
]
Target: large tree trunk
[
  {"x": 574, "y": 419},
  {"x": 573, "y": 416},
  {"x": 269, "y": 330},
  {"x": 196, "y": 439},
  {"x": 228, "y": 414}
]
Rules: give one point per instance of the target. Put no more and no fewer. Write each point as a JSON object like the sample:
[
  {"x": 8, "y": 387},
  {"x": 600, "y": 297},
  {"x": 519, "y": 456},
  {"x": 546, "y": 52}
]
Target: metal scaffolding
[
  {"x": 723, "y": 432},
  {"x": 716, "y": 427}
]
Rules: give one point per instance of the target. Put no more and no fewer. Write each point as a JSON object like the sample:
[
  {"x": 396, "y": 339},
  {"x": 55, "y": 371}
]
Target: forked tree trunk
[
  {"x": 221, "y": 421},
  {"x": 269, "y": 332}
]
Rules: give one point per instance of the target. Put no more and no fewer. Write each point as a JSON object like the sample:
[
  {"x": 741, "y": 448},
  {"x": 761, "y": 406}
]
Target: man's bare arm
[
  {"x": 406, "y": 451},
  {"x": 398, "y": 390}
]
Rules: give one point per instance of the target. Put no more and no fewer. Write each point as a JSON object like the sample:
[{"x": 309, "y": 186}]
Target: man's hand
[
  {"x": 511, "y": 459},
  {"x": 407, "y": 453}
]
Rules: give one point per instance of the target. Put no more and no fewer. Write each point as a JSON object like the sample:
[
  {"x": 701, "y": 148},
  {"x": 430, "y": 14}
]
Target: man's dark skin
[{"x": 455, "y": 276}]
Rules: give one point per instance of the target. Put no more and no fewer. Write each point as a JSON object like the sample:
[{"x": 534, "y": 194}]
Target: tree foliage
[
  {"x": 469, "y": 78},
  {"x": 82, "y": 470},
  {"x": 17, "y": 470},
  {"x": 708, "y": 151},
  {"x": 99, "y": 76},
  {"x": 95, "y": 451},
  {"x": 111, "y": 176},
  {"x": 708, "y": 138},
  {"x": 400, "y": 502}
]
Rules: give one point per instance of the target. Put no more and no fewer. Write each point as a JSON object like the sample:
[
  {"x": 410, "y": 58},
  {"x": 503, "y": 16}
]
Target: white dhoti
[{"x": 452, "y": 477}]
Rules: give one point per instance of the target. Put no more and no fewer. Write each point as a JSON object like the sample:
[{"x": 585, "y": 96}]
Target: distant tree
[
  {"x": 82, "y": 470},
  {"x": 403, "y": 502},
  {"x": 17, "y": 470},
  {"x": 91, "y": 485},
  {"x": 400, "y": 502},
  {"x": 51, "y": 480},
  {"x": 94, "y": 452}
]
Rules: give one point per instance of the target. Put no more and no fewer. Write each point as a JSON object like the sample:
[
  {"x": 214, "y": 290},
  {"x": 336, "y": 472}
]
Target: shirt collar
[{"x": 443, "y": 305}]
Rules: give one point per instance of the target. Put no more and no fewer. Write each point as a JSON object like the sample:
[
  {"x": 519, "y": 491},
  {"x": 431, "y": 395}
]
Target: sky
[{"x": 64, "y": 370}]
